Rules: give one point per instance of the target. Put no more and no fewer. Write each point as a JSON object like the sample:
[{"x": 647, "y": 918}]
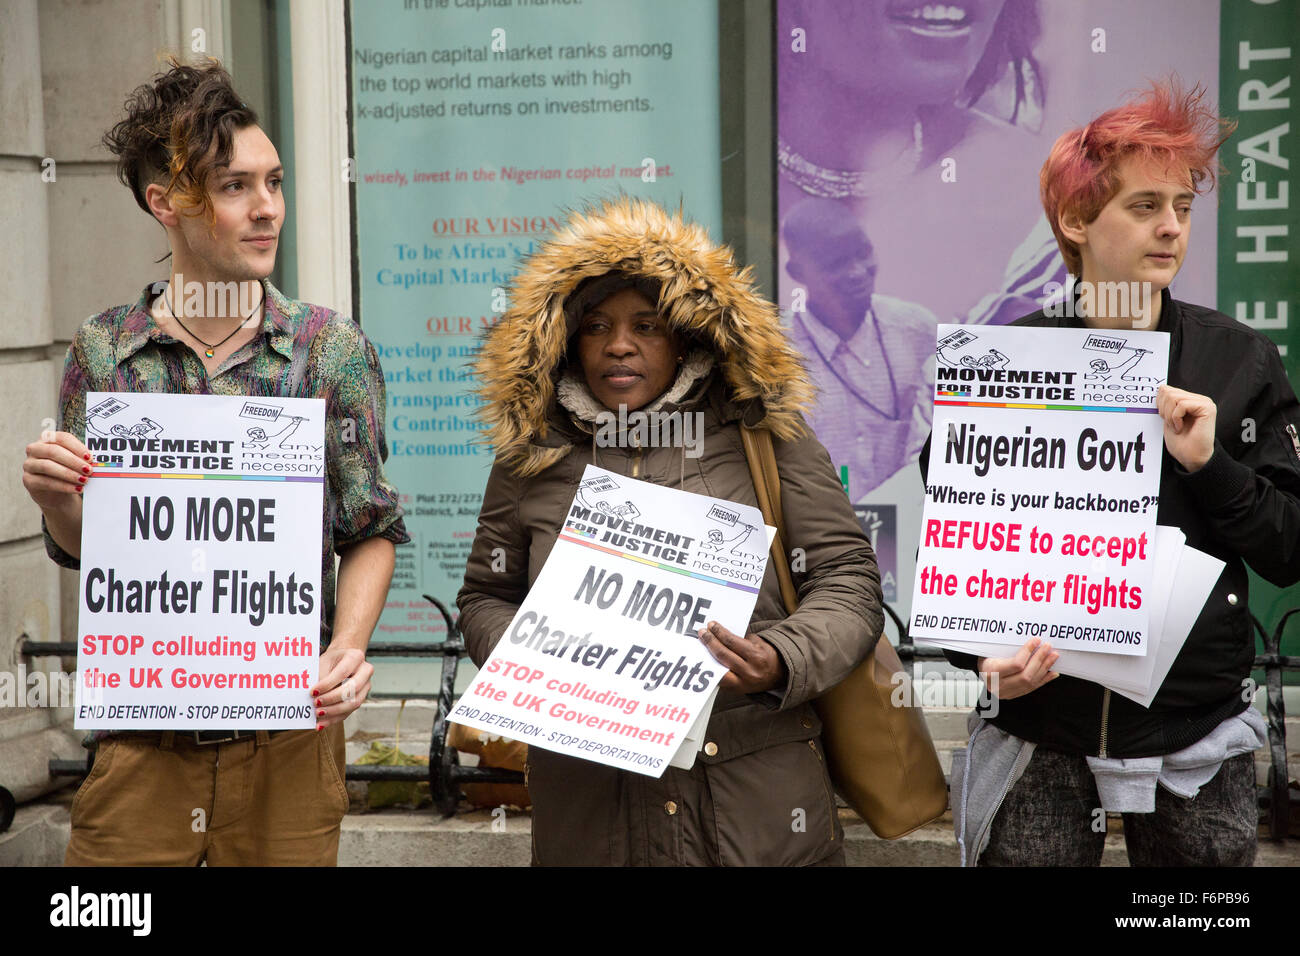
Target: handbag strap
[{"x": 767, "y": 486}]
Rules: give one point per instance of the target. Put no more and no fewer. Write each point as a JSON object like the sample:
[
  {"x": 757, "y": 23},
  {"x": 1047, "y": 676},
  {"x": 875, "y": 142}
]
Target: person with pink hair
[{"x": 1041, "y": 768}]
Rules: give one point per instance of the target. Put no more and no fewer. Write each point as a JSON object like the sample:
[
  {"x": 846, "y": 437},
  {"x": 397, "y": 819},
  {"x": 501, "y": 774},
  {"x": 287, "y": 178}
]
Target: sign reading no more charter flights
[
  {"x": 602, "y": 660},
  {"x": 1041, "y": 495},
  {"x": 200, "y": 562}
]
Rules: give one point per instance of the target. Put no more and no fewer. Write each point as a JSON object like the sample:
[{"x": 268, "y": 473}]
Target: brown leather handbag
[{"x": 881, "y": 758}]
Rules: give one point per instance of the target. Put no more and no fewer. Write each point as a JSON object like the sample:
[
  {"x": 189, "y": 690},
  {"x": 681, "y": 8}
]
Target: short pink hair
[{"x": 1166, "y": 127}]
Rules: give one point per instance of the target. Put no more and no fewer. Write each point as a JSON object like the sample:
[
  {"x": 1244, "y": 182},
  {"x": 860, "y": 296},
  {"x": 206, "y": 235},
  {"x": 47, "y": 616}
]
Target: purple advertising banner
[{"x": 910, "y": 138}]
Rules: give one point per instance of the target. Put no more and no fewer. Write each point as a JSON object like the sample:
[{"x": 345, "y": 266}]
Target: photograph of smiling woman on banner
[
  {"x": 907, "y": 145},
  {"x": 630, "y": 309}
]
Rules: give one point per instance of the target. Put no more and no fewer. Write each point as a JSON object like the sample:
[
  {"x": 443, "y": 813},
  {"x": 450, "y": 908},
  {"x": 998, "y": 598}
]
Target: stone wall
[{"x": 74, "y": 243}]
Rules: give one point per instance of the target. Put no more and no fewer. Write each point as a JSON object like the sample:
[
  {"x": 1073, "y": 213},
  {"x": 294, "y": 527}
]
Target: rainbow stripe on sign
[
  {"x": 585, "y": 534},
  {"x": 955, "y": 393},
  {"x": 658, "y": 564},
  {"x": 191, "y": 476},
  {"x": 1050, "y": 408}
]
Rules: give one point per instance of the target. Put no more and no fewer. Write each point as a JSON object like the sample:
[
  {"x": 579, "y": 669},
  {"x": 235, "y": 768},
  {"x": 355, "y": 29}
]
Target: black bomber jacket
[{"x": 1243, "y": 507}]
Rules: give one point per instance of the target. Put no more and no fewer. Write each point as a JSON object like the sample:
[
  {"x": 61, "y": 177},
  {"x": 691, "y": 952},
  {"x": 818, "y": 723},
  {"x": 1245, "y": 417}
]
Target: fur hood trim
[{"x": 702, "y": 294}]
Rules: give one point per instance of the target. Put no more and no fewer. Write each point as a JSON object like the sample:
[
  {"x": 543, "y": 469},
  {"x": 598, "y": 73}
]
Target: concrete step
[
  {"x": 398, "y": 837},
  {"x": 39, "y": 837},
  {"x": 402, "y": 838}
]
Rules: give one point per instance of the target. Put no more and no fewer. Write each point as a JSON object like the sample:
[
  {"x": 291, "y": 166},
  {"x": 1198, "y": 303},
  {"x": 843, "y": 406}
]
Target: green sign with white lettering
[{"x": 1259, "y": 278}]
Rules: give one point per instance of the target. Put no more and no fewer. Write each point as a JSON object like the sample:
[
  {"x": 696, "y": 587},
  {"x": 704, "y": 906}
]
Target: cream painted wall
[{"x": 73, "y": 243}]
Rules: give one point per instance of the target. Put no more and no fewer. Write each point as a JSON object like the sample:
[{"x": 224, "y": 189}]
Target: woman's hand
[
  {"x": 344, "y": 684},
  {"x": 753, "y": 665},
  {"x": 1011, "y": 677},
  {"x": 1189, "y": 425},
  {"x": 56, "y": 467}
]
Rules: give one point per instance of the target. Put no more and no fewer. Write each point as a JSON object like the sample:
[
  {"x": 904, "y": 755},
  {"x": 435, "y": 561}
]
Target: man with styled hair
[
  {"x": 1118, "y": 194},
  {"x": 195, "y": 159}
]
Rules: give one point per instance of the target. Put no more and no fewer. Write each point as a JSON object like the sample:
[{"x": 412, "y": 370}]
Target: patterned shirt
[{"x": 304, "y": 351}]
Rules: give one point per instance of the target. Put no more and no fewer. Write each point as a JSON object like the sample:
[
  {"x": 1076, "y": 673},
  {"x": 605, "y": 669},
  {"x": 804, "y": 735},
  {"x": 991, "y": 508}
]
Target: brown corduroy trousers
[{"x": 162, "y": 800}]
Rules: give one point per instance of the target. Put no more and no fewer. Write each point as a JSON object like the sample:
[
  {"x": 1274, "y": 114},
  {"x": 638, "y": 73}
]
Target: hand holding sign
[
  {"x": 55, "y": 473},
  {"x": 55, "y": 467},
  {"x": 1189, "y": 425},
  {"x": 344, "y": 686},
  {"x": 1011, "y": 677},
  {"x": 753, "y": 665}
]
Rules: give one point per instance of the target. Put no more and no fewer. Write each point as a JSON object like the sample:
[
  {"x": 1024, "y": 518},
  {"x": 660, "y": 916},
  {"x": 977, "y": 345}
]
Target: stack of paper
[{"x": 1183, "y": 580}]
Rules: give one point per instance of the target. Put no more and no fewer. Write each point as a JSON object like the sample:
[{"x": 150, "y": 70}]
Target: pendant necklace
[{"x": 208, "y": 350}]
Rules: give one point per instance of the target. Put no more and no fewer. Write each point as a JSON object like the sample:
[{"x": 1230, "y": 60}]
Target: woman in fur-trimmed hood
[{"x": 630, "y": 306}]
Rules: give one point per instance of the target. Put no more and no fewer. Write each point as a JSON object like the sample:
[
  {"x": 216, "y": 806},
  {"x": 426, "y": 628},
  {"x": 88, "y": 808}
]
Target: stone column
[{"x": 29, "y": 581}]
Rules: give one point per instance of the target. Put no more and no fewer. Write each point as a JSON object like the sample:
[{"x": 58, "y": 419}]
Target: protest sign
[
  {"x": 200, "y": 562},
  {"x": 602, "y": 660},
  {"x": 1042, "y": 488}
]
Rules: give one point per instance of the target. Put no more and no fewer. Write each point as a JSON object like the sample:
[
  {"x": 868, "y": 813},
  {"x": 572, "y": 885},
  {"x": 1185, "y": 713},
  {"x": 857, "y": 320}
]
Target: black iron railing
[{"x": 445, "y": 775}]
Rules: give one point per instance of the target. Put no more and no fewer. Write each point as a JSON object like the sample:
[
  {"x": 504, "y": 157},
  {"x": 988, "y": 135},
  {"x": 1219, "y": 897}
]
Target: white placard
[
  {"x": 1123, "y": 673},
  {"x": 1042, "y": 489},
  {"x": 602, "y": 660},
  {"x": 200, "y": 562}
]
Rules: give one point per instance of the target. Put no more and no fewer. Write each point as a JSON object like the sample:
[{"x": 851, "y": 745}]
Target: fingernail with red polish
[
  {"x": 82, "y": 480},
  {"x": 320, "y": 726},
  {"x": 87, "y": 457},
  {"x": 320, "y": 713},
  {"x": 85, "y": 471},
  {"x": 315, "y": 693}
]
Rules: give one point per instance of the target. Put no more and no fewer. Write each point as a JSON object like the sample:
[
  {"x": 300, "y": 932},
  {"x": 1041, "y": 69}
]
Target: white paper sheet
[
  {"x": 1184, "y": 579},
  {"x": 1197, "y": 574},
  {"x": 1112, "y": 670}
]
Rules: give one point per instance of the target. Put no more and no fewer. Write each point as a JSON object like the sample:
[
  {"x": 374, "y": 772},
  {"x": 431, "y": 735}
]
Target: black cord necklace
[{"x": 209, "y": 350}]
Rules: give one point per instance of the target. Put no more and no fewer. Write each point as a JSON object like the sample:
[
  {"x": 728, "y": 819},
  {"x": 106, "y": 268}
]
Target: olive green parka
[{"x": 758, "y": 793}]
